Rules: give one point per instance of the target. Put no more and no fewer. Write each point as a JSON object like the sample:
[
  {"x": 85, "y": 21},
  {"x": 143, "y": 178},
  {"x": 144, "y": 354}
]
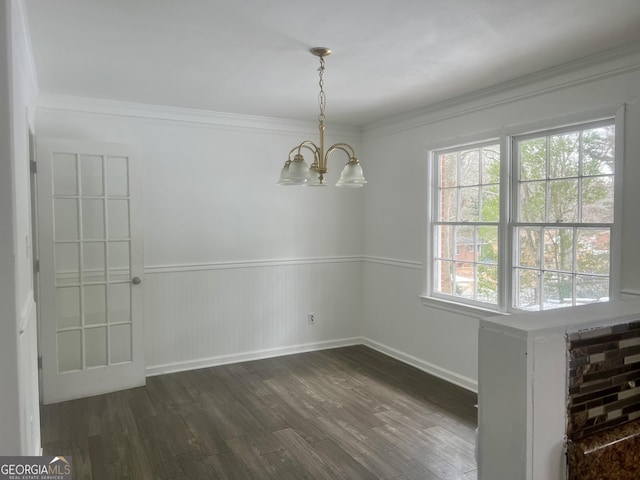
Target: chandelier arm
[
  {"x": 292, "y": 150},
  {"x": 340, "y": 146},
  {"x": 351, "y": 152},
  {"x": 308, "y": 145}
]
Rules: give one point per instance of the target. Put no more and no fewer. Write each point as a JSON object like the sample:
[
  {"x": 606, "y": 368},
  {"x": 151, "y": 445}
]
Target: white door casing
[{"x": 91, "y": 268}]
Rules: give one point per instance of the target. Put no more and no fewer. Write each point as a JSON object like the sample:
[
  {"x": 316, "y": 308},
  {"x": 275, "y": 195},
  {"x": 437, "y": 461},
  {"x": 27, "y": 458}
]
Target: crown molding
[
  {"x": 68, "y": 103},
  {"x": 585, "y": 70}
]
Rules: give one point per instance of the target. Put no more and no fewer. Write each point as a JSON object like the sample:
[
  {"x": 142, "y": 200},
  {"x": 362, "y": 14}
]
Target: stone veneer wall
[{"x": 604, "y": 379}]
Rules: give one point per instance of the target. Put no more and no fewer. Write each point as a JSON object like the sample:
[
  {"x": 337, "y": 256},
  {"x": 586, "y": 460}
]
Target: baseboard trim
[
  {"x": 443, "y": 373},
  {"x": 628, "y": 293},
  {"x": 430, "y": 368},
  {"x": 248, "y": 356}
]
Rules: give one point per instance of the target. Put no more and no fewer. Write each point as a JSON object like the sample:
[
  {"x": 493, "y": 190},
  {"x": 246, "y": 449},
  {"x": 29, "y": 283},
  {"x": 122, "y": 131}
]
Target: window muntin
[{"x": 554, "y": 249}]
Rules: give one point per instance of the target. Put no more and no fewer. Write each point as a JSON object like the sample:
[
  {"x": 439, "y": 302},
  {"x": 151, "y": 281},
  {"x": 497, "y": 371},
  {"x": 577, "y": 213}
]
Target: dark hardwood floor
[{"x": 348, "y": 413}]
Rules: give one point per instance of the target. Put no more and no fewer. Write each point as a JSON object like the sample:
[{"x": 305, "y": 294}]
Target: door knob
[{"x": 136, "y": 280}]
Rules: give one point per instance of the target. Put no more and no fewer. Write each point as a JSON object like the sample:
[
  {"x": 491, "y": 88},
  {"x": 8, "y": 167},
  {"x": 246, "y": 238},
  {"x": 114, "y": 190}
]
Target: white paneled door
[{"x": 91, "y": 267}]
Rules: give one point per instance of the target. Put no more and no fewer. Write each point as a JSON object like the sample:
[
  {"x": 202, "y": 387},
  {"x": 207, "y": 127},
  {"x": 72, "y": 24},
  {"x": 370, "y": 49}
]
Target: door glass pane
[
  {"x": 120, "y": 343},
  {"x": 67, "y": 307},
  {"x": 118, "y": 218},
  {"x": 93, "y": 261},
  {"x": 65, "y": 175},
  {"x": 119, "y": 259},
  {"x": 67, "y": 261},
  {"x": 119, "y": 302},
  {"x": 92, "y": 218},
  {"x": 95, "y": 346},
  {"x": 95, "y": 304},
  {"x": 65, "y": 219},
  {"x": 91, "y": 168},
  {"x": 69, "y": 351},
  {"x": 118, "y": 176}
]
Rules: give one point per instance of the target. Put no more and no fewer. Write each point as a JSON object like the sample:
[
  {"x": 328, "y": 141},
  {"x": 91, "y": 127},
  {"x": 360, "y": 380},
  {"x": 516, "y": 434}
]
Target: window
[
  {"x": 544, "y": 232},
  {"x": 467, "y": 213},
  {"x": 564, "y": 217}
]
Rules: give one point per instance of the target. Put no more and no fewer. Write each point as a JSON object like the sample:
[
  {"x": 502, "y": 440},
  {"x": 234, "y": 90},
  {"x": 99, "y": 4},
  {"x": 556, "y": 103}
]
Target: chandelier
[{"x": 297, "y": 172}]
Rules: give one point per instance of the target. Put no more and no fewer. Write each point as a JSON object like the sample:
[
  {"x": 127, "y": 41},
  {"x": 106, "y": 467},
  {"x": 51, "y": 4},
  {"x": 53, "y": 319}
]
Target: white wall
[
  {"x": 19, "y": 415},
  {"x": 395, "y": 155},
  {"x": 233, "y": 262}
]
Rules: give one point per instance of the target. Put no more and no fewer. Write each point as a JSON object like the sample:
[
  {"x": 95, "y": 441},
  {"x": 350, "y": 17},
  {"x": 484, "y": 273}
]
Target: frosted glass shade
[
  {"x": 314, "y": 178},
  {"x": 352, "y": 175},
  {"x": 284, "y": 175},
  {"x": 295, "y": 172}
]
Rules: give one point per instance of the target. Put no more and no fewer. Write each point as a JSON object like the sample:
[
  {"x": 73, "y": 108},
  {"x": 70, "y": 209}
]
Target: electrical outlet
[{"x": 311, "y": 318}]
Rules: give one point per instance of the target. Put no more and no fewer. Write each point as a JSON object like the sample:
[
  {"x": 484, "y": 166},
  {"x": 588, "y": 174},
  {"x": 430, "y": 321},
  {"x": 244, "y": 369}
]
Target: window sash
[
  {"x": 574, "y": 180},
  {"x": 468, "y": 276}
]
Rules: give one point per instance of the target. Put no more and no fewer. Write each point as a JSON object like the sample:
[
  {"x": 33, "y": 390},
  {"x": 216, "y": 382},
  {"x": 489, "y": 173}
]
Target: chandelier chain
[{"x": 322, "y": 98}]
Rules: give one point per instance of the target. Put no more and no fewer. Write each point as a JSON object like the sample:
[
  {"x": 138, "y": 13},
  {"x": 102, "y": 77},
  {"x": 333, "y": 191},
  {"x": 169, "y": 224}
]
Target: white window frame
[{"x": 507, "y": 223}]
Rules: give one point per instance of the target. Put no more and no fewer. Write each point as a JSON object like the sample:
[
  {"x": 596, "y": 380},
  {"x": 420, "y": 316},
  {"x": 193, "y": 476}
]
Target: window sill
[{"x": 459, "y": 308}]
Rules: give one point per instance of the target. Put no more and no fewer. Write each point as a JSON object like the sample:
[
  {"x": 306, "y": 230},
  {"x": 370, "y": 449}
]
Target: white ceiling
[{"x": 251, "y": 56}]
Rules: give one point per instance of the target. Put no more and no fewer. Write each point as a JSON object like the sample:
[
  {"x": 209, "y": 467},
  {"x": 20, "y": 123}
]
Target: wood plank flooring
[{"x": 344, "y": 414}]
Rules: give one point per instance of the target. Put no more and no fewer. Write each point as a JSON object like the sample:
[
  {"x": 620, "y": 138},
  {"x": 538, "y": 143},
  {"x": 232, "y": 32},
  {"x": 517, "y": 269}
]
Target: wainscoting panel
[{"x": 204, "y": 315}]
